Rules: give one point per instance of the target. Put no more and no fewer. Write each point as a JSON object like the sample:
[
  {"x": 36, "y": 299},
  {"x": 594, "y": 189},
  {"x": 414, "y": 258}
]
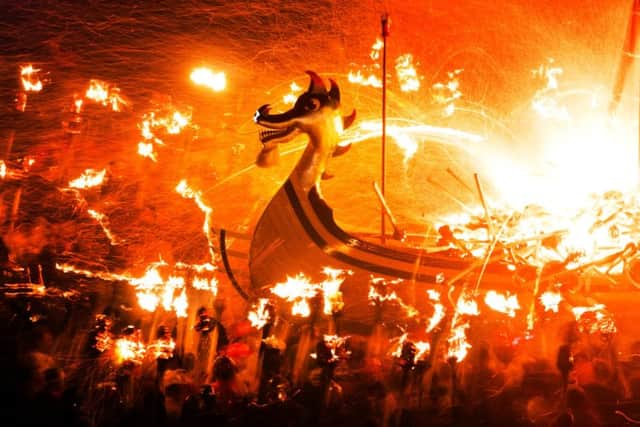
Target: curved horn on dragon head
[{"x": 308, "y": 115}]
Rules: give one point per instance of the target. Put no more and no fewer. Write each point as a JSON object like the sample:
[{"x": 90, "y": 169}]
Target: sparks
[
  {"x": 104, "y": 223},
  {"x": 188, "y": 193}
]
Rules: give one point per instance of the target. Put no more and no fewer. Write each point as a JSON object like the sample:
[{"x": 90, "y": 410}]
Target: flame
[
  {"x": 30, "y": 80},
  {"x": 162, "y": 348},
  {"x": 357, "y": 77},
  {"x": 422, "y": 348},
  {"x": 130, "y": 349},
  {"x": 104, "y": 341},
  {"x": 376, "y": 298},
  {"x": 594, "y": 319},
  {"x": 203, "y": 76},
  {"x": 458, "y": 344},
  {"x": 156, "y": 124},
  {"x": 259, "y": 313},
  {"x": 300, "y": 289},
  {"x": 104, "y": 94},
  {"x": 447, "y": 93},
  {"x": 89, "y": 179},
  {"x": 376, "y": 48},
  {"x": 3, "y": 169},
  {"x": 501, "y": 303},
  {"x": 146, "y": 149},
  {"x": 550, "y": 301},
  {"x": 337, "y": 345},
  {"x": 407, "y": 74},
  {"x": 297, "y": 290},
  {"x": 333, "y": 302},
  {"x": 438, "y": 310},
  {"x": 291, "y": 97},
  {"x": 467, "y": 306},
  {"x": 204, "y": 284}
]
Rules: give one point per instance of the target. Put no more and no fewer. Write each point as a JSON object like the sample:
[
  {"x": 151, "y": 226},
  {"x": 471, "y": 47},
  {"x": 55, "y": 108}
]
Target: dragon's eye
[{"x": 312, "y": 105}]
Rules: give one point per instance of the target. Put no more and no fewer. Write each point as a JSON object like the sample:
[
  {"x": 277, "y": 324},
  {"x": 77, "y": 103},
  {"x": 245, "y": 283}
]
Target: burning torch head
[{"x": 316, "y": 110}]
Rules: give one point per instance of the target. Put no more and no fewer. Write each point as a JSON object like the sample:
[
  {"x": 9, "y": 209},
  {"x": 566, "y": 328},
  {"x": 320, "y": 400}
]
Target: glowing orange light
[
  {"x": 291, "y": 97},
  {"x": 30, "y": 79},
  {"x": 202, "y": 76},
  {"x": 407, "y": 74},
  {"x": 105, "y": 95},
  {"x": 550, "y": 301},
  {"x": 259, "y": 314},
  {"x": 297, "y": 290},
  {"x": 89, "y": 179},
  {"x": 162, "y": 348},
  {"x": 458, "y": 344},
  {"x": 130, "y": 349},
  {"x": 438, "y": 310},
  {"x": 501, "y": 303}
]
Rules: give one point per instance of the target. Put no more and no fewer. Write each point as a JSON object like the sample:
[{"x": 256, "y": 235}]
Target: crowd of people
[{"x": 236, "y": 375}]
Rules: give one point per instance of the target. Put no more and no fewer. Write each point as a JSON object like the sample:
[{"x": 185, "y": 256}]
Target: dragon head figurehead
[{"x": 316, "y": 113}]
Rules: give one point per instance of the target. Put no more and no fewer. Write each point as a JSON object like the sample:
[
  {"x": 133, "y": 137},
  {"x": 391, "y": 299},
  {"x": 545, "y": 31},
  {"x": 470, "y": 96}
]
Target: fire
[
  {"x": 467, "y": 306},
  {"x": 333, "y": 302},
  {"x": 407, "y": 74},
  {"x": 146, "y": 149},
  {"x": 420, "y": 349},
  {"x": 438, "y": 310},
  {"x": 162, "y": 348},
  {"x": 291, "y": 97},
  {"x": 89, "y": 179},
  {"x": 297, "y": 290},
  {"x": 3, "y": 169},
  {"x": 153, "y": 290},
  {"x": 104, "y": 94},
  {"x": 337, "y": 345},
  {"x": 594, "y": 319},
  {"x": 357, "y": 77},
  {"x": 259, "y": 313},
  {"x": 447, "y": 93},
  {"x": 551, "y": 301},
  {"x": 156, "y": 124},
  {"x": 30, "y": 79},
  {"x": 203, "y": 76},
  {"x": 458, "y": 344},
  {"x": 501, "y": 303},
  {"x": 130, "y": 349},
  {"x": 204, "y": 284},
  {"x": 377, "y": 298}
]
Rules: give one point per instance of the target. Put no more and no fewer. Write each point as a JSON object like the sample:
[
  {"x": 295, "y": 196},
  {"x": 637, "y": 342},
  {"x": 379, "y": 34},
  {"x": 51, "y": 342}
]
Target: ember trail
[{"x": 356, "y": 213}]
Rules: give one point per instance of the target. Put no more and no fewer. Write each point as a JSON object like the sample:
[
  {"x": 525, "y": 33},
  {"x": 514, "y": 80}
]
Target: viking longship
[{"x": 297, "y": 232}]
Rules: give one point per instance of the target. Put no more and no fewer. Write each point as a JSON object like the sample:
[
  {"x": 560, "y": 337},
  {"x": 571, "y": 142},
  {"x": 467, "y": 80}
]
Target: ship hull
[{"x": 298, "y": 234}]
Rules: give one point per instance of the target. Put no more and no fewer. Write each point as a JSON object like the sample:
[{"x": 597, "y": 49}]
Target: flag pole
[{"x": 385, "y": 33}]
